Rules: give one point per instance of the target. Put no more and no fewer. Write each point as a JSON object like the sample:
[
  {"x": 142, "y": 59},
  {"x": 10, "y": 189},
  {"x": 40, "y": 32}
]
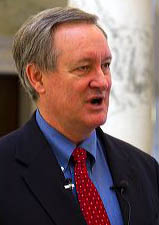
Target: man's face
[{"x": 77, "y": 92}]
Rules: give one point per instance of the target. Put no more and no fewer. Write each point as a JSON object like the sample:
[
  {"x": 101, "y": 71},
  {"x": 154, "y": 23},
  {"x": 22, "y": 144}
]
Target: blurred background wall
[
  {"x": 15, "y": 105},
  {"x": 132, "y": 28},
  {"x": 155, "y": 148},
  {"x": 130, "y": 34}
]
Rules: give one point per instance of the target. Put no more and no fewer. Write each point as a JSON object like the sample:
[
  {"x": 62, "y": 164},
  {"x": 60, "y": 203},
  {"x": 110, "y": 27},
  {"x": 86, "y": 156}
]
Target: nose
[{"x": 101, "y": 81}]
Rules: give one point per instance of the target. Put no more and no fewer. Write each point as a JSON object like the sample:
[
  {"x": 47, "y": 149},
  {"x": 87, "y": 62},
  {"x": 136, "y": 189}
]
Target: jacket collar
[
  {"x": 122, "y": 171},
  {"x": 118, "y": 158},
  {"x": 43, "y": 176}
]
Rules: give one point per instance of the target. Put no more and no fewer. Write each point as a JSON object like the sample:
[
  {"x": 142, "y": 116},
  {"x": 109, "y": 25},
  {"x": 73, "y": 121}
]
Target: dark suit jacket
[{"x": 32, "y": 183}]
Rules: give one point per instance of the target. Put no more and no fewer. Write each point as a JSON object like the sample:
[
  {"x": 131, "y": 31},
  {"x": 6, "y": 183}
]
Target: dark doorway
[{"x": 9, "y": 94}]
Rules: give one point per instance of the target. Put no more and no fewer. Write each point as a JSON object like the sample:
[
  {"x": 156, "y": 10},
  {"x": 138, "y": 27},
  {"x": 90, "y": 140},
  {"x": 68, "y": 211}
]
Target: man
[{"x": 63, "y": 59}]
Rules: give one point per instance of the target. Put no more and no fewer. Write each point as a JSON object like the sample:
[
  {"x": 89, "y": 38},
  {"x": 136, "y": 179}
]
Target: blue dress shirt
[{"x": 97, "y": 166}]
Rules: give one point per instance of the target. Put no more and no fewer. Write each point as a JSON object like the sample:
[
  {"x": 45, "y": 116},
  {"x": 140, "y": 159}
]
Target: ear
[{"x": 35, "y": 77}]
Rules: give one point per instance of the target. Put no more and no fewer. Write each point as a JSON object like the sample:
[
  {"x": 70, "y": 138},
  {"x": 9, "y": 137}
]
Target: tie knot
[{"x": 79, "y": 155}]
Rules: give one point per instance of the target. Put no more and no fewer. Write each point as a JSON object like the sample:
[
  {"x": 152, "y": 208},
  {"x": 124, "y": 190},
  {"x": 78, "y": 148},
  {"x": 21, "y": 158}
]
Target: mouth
[{"x": 96, "y": 101}]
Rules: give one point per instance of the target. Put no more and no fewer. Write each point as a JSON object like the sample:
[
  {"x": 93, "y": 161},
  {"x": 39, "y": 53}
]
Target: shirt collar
[{"x": 61, "y": 146}]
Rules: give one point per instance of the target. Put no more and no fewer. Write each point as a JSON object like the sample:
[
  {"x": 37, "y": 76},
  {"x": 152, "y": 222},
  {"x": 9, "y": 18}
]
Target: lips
[{"x": 96, "y": 100}]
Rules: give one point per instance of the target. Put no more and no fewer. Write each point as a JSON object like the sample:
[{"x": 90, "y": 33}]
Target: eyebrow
[
  {"x": 108, "y": 58},
  {"x": 90, "y": 59}
]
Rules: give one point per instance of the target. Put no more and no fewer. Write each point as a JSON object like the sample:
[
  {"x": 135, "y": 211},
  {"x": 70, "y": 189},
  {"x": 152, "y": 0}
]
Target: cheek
[
  {"x": 71, "y": 96},
  {"x": 68, "y": 91},
  {"x": 54, "y": 92},
  {"x": 109, "y": 83}
]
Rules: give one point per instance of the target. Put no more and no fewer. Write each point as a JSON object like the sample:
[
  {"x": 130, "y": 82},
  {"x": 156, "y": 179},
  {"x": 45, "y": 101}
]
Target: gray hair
[{"x": 33, "y": 41}]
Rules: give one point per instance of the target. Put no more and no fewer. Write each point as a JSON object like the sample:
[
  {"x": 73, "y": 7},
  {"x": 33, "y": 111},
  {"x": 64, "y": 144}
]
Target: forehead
[{"x": 81, "y": 40}]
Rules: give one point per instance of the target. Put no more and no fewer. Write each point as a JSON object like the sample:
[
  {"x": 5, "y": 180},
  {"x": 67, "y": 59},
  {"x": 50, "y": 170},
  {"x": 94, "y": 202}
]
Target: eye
[
  {"x": 105, "y": 67},
  {"x": 84, "y": 68}
]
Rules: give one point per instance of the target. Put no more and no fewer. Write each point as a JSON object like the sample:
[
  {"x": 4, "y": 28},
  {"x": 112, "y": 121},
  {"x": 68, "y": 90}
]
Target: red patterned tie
[{"x": 90, "y": 202}]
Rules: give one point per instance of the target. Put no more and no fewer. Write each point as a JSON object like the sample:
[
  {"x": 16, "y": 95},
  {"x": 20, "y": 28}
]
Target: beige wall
[
  {"x": 14, "y": 12},
  {"x": 12, "y": 15}
]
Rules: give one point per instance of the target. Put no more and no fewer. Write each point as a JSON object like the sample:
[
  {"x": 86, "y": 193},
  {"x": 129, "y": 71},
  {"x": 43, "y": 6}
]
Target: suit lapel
[
  {"x": 121, "y": 170},
  {"x": 43, "y": 176}
]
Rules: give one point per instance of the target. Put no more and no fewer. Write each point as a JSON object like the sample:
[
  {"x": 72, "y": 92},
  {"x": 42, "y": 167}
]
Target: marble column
[
  {"x": 130, "y": 35},
  {"x": 156, "y": 83}
]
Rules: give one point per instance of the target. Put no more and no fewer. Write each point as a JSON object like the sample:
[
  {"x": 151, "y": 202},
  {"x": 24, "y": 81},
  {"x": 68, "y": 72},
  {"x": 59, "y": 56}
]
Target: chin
[{"x": 94, "y": 123}]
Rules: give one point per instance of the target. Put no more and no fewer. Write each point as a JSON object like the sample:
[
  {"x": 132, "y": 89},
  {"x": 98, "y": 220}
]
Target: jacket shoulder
[
  {"x": 126, "y": 149},
  {"x": 9, "y": 142}
]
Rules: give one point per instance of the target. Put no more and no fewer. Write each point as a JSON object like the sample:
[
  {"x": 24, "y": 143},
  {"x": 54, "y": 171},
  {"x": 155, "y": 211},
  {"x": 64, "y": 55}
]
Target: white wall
[{"x": 129, "y": 28}]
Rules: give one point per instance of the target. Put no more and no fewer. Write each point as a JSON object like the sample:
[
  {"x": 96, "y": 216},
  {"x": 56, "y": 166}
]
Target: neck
[{"x": 75, "y": 134}]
